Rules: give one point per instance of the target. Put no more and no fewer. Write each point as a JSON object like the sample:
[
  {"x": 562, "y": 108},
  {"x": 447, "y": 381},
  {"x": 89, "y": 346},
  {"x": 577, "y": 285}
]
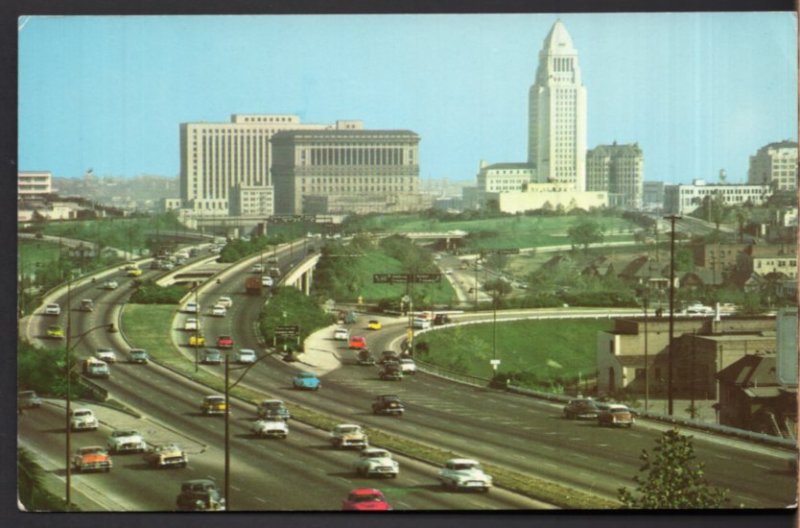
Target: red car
[
  {"x": 365, "y": 499},
  {"x": 357, "y": 342},
  {"x": 224, "y": 341}
]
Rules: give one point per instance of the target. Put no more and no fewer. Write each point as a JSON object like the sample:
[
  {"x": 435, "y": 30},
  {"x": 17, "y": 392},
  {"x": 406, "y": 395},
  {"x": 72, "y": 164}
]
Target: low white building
[
  {"x": 550, "y": 196},
  {"x": 683, "y": 199}
]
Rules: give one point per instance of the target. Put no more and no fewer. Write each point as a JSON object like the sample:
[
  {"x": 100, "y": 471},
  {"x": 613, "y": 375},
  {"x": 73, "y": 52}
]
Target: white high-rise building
[
  {"x": 775, "y": 165},
  {"x": 557, "y": 113}
]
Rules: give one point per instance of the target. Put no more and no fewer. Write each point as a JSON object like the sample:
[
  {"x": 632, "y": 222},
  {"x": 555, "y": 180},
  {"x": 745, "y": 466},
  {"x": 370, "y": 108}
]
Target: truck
[{"x": 252, "y": 285}]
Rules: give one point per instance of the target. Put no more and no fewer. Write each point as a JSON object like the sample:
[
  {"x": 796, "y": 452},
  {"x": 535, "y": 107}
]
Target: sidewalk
[{"x": 321, "y": 352}]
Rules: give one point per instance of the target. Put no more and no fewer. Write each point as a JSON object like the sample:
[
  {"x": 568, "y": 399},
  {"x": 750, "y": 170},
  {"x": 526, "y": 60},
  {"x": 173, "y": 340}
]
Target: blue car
[{"x": 306, "y": 380}]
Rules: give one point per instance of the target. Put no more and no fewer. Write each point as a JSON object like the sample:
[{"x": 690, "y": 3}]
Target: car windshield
[
  {"x": 366, "y": 498},
  {"x": 123, "y": 433},
  {"x": 82, "y": 413},
  {"x": 307, "y": 375},
  {"x": 215, "y": 399},
  {"x": 463, "y": 466},
  {"x": 348, "y": 429}
]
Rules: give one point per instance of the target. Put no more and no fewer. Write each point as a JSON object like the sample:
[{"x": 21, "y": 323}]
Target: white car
[
  {"x": 110, "y": 285},
  {"x": 373, "y": 461},
  {"x": 349, "y": 435},
  {"x": 341, "y": 334},
  {"x": 191, "y": 324},
  {"x": 407, "y": 366},
  {"x": 699, "y": 309},
  {"x": 464, "y": 473},
  {"x": 245, "y": 356},
  {"x": 192, "y": 308},
  {"x": 106, "y": 354},
  {"x": 218, "y": 310},
  {"x": 126, "y": 441},
  {"x": 52, "y": 309},
  {"x": 82, "y": 419},
  {"x": 225, "y": 301},
  {"x": 420, "y": 323},
  {"x": 270, "y": 428},
  {"x": 266, "y": 281},
  {"x": 257, "y": 268}
]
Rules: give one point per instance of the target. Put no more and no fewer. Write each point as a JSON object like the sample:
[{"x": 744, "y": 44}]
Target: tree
[
  {"x": 743, "y": 215},
  {"x": 585, "y": 232},
  {"x": 674, "y": 479},
  {"x": 715, "y": 207}
]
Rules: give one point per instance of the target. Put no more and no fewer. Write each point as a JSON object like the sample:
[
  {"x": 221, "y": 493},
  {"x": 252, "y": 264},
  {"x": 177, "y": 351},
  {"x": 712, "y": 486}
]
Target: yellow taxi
[
  {"x": 213, "y": 404},
  {"x": 197, "y": 340},
  {"x": 55, "y": 331},
  {"x": 374, "y": 324},
  {"x": 135, "y": 272}
]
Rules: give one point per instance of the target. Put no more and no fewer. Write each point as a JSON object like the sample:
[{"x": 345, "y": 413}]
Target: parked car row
[{"x": 610, "y": 414}]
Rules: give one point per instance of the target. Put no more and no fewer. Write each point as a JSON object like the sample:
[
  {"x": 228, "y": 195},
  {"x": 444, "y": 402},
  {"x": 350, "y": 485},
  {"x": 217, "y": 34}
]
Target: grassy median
[{"x": 146, "y": 326}]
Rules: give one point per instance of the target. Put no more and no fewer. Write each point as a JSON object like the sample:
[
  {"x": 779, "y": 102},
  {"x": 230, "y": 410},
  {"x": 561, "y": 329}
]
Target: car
[
  {"x": 199, "y": 495},
  {"x": 166, "y": 456},
  {"x": 191, "y": 324},
  {"x": 257, "y": 268},
  {"x": 110, "y": 285},
  {"x": 420, "y": 323},
  {"x": 582, "y": 409},
  {"x": 52, "y": 309},
  {"x": 156, "y": 264},
  {"x": 348, "y": 435},
  {"x": 266, "y": 281},
  {"x": 130, "y": 266},
  {"x": 192, "y": 308},
  {"x": 91, "y": 458},
  {"x": 388, "y": 404},
  {"x": 197, "y": 340},
  {"x": 374, "y": 324},
  {"x": 365, "y": 357},
  {"x": 218, "y": 310},
  {"x": 357, "y": 342},
  {"x": 213, "y": 404},
  {"x": 135, "y": 272},
  {"x": 271, "y": 409},
  {"x": 391, "y": 371},
  {"x": 697, "y": 308},
  {"x": 55, "y": 331},
  {"x": 407, "y": 366},
  {"x": 270, "y": 428},
  {"x": 126, "y": 441},
  {"x": 94, "y": 368},
  {"x": 139, "y": 355},
  {"x": 274, "y": 272},
  {"x": 82, "y": 419},
  {"x": 211, "y": 356},
  {"x": 376, "y": 462},
  {"x": 306, "y": 380},
  {"x": 28, "y": 399},
  {"x": 341, "y": 334},
  {"x": 464, "y": 473},
  {"x": 388, "y": 356},
  {"x": 616, "y": 415},
  {"x": 225, "y": 341},
  {"x": 225, "y": 301},
  {"x": 245, "y": 356},
  {"x": 106, "y": 354},
  {"x": 441, "y": 319},
  {"x": 365, "y": 499},
  {"x": 87, "y": 305}
]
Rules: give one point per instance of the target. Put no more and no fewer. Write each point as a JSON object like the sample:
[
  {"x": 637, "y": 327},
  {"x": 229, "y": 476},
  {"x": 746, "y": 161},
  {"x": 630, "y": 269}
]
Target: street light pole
[
  {"x": 227, "y": 436},
  {"x": 672, "y": 219},
  {"x": 68, "y": 449}
]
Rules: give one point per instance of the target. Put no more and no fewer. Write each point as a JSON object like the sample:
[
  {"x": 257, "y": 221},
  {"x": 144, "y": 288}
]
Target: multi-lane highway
[{"x": 304, "y": 473}]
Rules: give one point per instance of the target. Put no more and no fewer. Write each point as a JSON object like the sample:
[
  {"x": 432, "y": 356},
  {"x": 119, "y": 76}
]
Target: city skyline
[{"x": 689, "y": 88}]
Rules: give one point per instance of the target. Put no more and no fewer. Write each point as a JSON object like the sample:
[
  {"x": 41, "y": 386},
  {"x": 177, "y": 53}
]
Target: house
[
  {"x": 599, "y": 267},
  {"x": 752, "y": 398}
]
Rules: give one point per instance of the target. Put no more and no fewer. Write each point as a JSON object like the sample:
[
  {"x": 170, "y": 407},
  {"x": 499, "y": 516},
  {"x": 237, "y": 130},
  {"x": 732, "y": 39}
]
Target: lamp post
[{"x": 672, "y": 219}]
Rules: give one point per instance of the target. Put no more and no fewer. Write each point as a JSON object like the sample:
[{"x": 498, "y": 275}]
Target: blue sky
[{"x": 698, "y": 92}]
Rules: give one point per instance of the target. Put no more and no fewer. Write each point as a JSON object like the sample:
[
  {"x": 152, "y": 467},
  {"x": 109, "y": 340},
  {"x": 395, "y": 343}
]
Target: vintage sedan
[
  {"x": 374, "y": 324},
  {"x": 82, "y": 419},
  {"x": 582, "y": 409},
  {"x": 271, "y": 409},
  {"x": 306, "y": 380},
  {"x": 341, "y": 334},
  {"x": 376, "y": 462},
  {"x": 52, "y": 309},
  {"x": 91, "y": 458},
  {"x": 365, "y": 499},
  {"x": 110, "y": 285},
  {"x": 245, "y": 356},
  {"x": 211, "y": 356},
  {"x": 349, "y": 435},
  {"x": 271, "y": 428},
  {"x": 55, "y": 332},
  {"x": 213, "y": 404},
  {"x": 357, "y": 342},
  {"x": 197, "y": 340},
  {"x": 126, "y": 441},
  {"x": 166, "y": 456},
  {"x": 225, "y": 341},
  {"x": 106, "y": 354},
  {"x": 616, "y": 414},
  {"x": 139, "y": 355},
  {"x": 199, "y": 495},
  {"x": 464, "y": 473}
]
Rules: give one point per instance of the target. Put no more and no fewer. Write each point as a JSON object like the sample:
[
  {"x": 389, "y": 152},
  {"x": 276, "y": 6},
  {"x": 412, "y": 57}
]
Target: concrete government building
[{"x": 229, "y": 169}]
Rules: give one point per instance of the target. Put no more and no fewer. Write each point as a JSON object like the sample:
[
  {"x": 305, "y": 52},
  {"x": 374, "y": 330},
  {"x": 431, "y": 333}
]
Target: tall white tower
[{"x": 557, "y": 113}]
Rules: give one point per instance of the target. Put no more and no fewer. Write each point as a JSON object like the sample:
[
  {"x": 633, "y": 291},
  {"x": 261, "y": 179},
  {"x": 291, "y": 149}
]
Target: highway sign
[
  {"x": 287, "y": 330},
  {"x": 391, "y": 278},
  {"x": 428, "y": 277}
]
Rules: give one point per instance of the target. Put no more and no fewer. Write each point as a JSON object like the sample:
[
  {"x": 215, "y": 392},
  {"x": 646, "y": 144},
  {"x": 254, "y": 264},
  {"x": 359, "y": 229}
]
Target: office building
[
  {"x": 683, "y": 199},
  {"x": 619, "y": 170},
  {"x": 34, "y": 183},
  {"x": 775, "y": 165}
]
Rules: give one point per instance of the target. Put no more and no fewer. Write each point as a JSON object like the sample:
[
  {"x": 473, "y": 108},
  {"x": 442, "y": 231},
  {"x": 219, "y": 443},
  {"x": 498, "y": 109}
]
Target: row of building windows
[{"x": 356, "y": 156}]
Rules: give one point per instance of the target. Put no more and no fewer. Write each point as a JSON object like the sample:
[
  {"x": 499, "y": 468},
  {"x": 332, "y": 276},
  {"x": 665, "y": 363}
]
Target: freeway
[
  {"x": 505, "y": 429},
  {"x": 300, "y": 473}
]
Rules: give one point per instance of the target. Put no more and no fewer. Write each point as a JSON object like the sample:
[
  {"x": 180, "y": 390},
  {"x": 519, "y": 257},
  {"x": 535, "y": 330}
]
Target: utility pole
[{"x": 670, "y": 350}]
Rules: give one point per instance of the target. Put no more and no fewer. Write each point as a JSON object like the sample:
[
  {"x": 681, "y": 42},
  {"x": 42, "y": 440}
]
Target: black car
[
  {"x": 391, "y": 371},
  {"x": 388, "y": 355},
  {"x": 388, "y": 404},
  {"x": 582, "y": 408},
  {"x": 365, "y": 357},
  {"x": 441, "y": 319},
  {"x": 199, "y": 495},
  {"x": 273, "y": 409}
]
